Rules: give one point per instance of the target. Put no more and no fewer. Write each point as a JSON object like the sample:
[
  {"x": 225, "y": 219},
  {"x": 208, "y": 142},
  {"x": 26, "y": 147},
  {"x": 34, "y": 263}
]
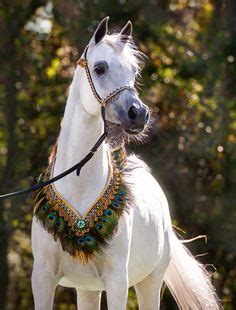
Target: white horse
[{"x": 144, "y": 251}]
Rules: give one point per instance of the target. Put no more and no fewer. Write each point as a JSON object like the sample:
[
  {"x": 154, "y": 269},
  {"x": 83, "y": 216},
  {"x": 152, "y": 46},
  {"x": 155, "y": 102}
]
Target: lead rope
[{"x": 83, "y": 63}]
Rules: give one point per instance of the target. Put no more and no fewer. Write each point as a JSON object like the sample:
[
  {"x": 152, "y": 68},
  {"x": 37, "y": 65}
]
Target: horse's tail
[{"x": 188, "y": 280}]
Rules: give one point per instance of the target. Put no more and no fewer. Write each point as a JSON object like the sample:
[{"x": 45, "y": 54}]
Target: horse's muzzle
[{"x": 136, "y": 118}]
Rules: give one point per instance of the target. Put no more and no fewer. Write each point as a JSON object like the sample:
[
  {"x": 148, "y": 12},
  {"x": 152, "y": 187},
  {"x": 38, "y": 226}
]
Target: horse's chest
[
  {"x": 145, "y": 248},
  {"x": 84, "y": 236}
]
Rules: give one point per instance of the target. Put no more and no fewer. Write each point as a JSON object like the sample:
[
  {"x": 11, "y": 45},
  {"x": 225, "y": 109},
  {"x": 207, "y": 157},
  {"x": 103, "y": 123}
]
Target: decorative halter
[
  {"x": 83, "y": 62},
  {"x": 103, "y": 101}
]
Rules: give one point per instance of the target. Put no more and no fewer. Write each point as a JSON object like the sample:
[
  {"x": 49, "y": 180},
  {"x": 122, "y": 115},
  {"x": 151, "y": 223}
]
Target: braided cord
[
  {"x": 92, "y": 84},
  {"x": 117, "y": 91},
  {"x": 83, "y": 62}
]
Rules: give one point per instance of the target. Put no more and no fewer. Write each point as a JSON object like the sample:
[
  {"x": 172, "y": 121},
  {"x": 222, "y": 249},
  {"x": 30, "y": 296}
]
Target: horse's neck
[{"x": 79, "y": 132}]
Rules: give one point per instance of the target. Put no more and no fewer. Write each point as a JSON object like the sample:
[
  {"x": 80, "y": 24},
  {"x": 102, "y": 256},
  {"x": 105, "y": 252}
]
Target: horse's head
[{"x": 113, "y": 63}]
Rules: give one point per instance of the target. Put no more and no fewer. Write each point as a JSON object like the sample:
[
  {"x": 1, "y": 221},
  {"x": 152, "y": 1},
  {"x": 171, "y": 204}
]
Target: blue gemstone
[{"x": 81, "y": 224}]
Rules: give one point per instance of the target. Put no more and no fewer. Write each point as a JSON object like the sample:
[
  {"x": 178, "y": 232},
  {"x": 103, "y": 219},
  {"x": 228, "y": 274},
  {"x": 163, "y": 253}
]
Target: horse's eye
[{"x": 100, "y": 67}]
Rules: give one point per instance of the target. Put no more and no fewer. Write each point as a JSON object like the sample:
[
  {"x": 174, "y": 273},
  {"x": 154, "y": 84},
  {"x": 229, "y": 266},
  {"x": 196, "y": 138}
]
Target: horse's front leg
[
  {"x": 43, "y": 286},
  {"x": 46, "y": 272},
  {"x": 115, "y": 276},
  {"x": 116, "y": 285}
]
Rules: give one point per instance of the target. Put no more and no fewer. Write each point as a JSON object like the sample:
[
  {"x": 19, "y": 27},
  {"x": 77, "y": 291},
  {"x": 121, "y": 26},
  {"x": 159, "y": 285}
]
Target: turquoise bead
[{"x": 81, "y": 224}]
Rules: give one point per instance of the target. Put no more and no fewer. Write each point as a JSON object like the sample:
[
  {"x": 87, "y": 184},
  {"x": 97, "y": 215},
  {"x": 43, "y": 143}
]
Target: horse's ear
[
  {"x": 126, "y": 32},
  {"x": 101, "y": 31}
]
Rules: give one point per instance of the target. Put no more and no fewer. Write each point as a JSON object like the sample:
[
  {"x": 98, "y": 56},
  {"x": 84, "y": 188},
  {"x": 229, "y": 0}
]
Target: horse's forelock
[{"x": 127, "y": 49}]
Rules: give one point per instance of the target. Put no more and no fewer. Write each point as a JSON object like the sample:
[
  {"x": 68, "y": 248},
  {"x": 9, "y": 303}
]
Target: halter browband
[{"x": 83, "y": 63}]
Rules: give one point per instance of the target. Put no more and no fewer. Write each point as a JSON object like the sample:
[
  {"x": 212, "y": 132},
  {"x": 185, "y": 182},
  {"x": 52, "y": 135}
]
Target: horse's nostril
[{"x": 133, "y": 113}]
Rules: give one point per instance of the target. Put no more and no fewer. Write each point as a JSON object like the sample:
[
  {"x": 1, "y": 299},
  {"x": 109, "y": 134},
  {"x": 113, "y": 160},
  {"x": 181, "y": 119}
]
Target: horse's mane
[{"x": 53, "y": 153}]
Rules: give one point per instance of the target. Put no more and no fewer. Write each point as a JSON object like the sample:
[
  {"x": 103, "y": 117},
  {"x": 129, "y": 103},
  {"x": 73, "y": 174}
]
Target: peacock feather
[{"x": 82, "y": 238}]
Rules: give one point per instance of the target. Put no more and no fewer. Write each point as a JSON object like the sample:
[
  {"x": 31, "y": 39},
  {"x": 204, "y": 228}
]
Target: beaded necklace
[{"x": 83, "y": 236}]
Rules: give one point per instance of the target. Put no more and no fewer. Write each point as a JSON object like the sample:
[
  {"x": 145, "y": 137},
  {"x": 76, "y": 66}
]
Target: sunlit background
[{"x": 188, "y": 80}]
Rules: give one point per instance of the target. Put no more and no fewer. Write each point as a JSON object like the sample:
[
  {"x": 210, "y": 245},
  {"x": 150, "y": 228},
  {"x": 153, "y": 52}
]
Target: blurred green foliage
[{"x": 189, "y": 83}]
